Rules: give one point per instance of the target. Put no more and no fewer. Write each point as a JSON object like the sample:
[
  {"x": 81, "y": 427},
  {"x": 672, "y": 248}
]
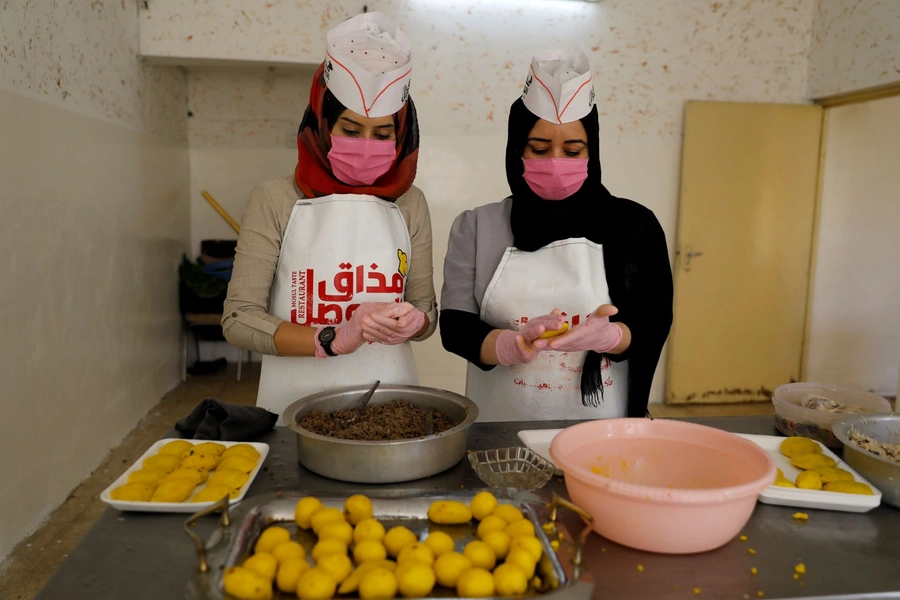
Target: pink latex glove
[
  {"x": 596, "y": 333},
  {"x": 518, "y": 347},
  {"x": 350, "y": 336},
  {"x": 393, "y": 325}
]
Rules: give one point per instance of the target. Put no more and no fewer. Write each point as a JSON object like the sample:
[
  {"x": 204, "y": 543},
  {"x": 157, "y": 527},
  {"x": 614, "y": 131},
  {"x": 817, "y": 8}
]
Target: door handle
[{"x": 689, "y": 254}]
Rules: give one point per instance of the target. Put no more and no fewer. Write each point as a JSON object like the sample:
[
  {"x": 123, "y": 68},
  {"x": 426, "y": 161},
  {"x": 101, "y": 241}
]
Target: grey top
[{"x": 478, "y": 239}]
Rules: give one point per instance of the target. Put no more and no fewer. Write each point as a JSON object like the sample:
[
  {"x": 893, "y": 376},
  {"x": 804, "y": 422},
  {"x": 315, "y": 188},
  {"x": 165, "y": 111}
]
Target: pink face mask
[
  {"x": 357, "y": 161},
  {"x": 555, "y": 178}
]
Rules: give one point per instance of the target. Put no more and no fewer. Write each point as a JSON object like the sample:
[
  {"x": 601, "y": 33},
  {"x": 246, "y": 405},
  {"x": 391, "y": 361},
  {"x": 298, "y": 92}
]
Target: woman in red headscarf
[{"x": 333, "y": 272}]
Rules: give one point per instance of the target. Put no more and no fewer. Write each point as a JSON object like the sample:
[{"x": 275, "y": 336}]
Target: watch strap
[{"x": 323, "y": 349}]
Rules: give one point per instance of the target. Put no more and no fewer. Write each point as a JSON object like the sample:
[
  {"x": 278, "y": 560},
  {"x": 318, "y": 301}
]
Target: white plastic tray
[
  {"x": 810, "y": 498},
  {"x": 178, "y": 507},
  {"x": 538, "y": 441}
]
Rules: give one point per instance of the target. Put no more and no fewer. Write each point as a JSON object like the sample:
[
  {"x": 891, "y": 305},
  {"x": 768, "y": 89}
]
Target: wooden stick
[{"x": 221, "y": 211}]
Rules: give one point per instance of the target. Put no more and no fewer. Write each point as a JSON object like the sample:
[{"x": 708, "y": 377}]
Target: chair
[
  {"x": 204, "y": 327},
  {"x": 201, "y": 315}
]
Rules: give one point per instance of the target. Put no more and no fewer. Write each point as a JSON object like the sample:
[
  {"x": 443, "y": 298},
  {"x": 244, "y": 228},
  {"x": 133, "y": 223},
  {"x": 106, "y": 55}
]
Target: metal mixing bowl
[
  {"x": 389, "y": 461},
  {"x": 881, "y": 472}
]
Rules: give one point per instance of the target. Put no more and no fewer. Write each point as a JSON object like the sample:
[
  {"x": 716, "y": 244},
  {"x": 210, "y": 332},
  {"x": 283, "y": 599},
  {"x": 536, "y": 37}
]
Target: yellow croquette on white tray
[
  {"x": 178, "y": 507},
  {"x": 819, "y": 499}
]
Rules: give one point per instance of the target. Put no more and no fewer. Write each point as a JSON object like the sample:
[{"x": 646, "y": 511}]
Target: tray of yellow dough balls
[
  {"x": 186, "y": 475},
  {"x": 812, "y": 476},
  {"x": 458, "y": 545}
]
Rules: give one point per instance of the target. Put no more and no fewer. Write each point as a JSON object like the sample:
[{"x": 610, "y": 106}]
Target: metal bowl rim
[
  {"x": 469, "y": 405},
  {"x": 842, "y": 425}
]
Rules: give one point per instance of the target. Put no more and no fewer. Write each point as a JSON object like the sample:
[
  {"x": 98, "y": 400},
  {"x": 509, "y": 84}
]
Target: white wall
[
  {"x": 855, "y": 324},
  {"x": 648, "y": 58},
  {"x": 856, "y": 45},
  {"x": 93, "y": 219}
]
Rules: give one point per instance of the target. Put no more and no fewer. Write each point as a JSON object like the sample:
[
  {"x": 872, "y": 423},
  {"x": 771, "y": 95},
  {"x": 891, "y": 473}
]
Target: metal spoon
[
  {"x": 361, "y": 406},
  {"x": 429, "y": 421}
]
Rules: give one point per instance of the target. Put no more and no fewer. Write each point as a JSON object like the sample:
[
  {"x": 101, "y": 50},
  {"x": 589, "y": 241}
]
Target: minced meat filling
[{"x": 396, "y": 420}]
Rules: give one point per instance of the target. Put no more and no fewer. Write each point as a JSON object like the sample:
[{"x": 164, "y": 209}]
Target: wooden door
[{"x": 745, "y": 229}]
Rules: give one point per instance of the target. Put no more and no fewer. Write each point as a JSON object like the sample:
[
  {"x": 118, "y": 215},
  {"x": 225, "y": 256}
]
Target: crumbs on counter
[
  {"x": 743, "y": 538},
  {"x": 800, "y": 569},
  {"x": 754, "y": 571},
  {"x": 751, "y": 551},
  {"x": 799, "y": 516},
  {"x": 697, "y": 591},
  {"x": 640, "y": 568}
]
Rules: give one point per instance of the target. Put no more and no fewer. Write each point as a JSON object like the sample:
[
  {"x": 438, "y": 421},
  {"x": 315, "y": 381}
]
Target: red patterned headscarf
[{"x": 313, "y": 173}]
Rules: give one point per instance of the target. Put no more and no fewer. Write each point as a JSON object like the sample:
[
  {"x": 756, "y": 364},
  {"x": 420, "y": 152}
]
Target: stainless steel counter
[{"x": 142, "y": 555}]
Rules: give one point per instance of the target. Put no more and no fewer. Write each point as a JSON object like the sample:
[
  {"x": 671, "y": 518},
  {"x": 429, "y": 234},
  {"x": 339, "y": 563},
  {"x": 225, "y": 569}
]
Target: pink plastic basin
[{"x": 662, "y": 486}]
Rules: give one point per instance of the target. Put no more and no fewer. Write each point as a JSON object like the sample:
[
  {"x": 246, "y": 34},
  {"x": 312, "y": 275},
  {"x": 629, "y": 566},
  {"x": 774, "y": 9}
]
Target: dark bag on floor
[{"x": 215, "y": 420}]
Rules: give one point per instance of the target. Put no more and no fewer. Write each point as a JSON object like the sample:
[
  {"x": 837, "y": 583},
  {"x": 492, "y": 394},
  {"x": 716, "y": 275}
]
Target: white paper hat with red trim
[
  {"x": 559, "y": 87},
  {"x": 367, "y": 65}
]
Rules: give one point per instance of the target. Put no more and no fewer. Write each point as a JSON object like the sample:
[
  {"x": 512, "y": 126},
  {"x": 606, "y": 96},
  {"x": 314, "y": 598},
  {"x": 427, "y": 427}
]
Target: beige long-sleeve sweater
[{"x": 246, "y": 322}]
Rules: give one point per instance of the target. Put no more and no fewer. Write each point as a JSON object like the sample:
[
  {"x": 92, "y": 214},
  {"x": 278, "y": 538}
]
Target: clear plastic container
[{"x": 793, "y": 419}]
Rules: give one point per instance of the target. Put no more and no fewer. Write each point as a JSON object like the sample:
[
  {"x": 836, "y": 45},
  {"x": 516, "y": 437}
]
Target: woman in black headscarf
[{"x": 565, "y": 286}]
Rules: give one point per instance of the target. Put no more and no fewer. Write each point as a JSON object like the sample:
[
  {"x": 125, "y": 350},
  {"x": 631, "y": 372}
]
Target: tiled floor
[{"x": 33, "y": 561}]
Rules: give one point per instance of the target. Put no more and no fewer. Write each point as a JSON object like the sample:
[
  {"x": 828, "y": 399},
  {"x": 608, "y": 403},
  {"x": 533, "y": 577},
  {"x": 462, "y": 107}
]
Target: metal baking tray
[{"x": 560, "y": 570}]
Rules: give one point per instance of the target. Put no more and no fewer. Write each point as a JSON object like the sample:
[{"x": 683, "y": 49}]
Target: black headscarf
[{"x": 537, "y": 222}]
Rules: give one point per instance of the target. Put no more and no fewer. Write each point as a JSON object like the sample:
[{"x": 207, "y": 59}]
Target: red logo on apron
[{"x": 313, "y": 303}]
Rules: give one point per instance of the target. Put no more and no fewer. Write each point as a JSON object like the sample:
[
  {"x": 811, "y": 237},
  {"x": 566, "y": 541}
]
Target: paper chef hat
[
  {"x": 559, "y": 87},
  {"x": 367, "y": 65}
]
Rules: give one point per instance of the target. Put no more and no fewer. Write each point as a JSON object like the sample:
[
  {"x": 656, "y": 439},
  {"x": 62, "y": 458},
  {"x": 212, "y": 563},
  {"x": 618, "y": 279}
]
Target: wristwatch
[{"x": 326, "y": 336}]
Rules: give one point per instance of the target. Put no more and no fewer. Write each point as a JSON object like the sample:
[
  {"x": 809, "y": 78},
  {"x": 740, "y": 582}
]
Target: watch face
[{"x": 326, "y": 335}]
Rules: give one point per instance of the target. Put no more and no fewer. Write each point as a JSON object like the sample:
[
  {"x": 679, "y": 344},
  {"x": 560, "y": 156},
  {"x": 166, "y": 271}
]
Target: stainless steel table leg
[{"x": 184, "y": 345}]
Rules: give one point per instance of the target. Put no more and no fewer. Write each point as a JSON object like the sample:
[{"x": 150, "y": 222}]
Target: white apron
[
  {"x": 569, "y": 275},
  {"x": 337, "y": 252}
]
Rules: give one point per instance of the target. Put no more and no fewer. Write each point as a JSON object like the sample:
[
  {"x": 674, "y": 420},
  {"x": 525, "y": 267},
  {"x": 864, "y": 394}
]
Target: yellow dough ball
[
  {"x": 483, "y": 505},
  {"x": 305, "y": 509},
  {"x": 397, "y": 539},
  {"x": 794, "y": 446},
  {"x": 133, "y": 492},
  {"x": 177, "y": 490},
  {"x": 272, "y": 537},
  {"x": 162, "y": 462},
  {"x": 811, "y": 461},
  {"x": 245, "y": 450},
  {"x": 214, "y": 493},
  {"x": 809, "y": 480},
  {"x": 229, "y": 478},
  {"x": 196, "y": 476},
  {"x": 175, "y": 447},
  {"x": 238, "y": 463},
  {"x": 197, "y": 460},
  {"x": 833, "y": 474},
  {"x": 849, "y": 487},
  {"x": 358, "y": 508},
  {"x": 151, "y": 476}
]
